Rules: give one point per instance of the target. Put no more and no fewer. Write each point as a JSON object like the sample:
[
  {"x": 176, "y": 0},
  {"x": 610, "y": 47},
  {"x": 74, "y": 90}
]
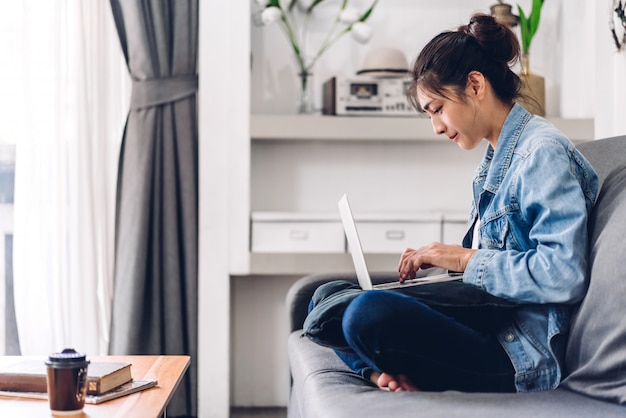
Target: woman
[{"x": 532, "y": 196}]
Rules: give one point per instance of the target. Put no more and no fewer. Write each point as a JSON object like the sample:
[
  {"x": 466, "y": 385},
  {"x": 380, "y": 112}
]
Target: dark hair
[{"x": 483, "y": 45}]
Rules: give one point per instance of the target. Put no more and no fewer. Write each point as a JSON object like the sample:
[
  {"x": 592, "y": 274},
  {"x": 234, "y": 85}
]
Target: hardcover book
[
  {"x": 29, "y": 375},
  {"x": 127, "y": 388}
]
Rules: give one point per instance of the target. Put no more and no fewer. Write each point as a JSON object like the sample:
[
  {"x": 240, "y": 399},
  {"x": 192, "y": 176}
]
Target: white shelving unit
[{"x": 283, "y": 144}]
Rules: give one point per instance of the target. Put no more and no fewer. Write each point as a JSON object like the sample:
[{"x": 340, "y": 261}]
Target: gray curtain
[{"x": 156, "y": 244}]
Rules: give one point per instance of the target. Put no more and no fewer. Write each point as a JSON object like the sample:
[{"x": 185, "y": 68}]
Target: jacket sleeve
[{"x": 534, "y": 250}]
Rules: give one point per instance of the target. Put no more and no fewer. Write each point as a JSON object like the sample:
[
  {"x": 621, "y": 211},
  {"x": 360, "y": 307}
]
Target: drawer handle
[
  {"x": 299, "y": 235},
  {"x": 395, "y": 235}
]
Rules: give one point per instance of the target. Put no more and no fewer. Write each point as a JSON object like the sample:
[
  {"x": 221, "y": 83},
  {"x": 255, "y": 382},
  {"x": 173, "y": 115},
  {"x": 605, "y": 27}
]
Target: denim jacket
[{"x": 533, "y": 195}]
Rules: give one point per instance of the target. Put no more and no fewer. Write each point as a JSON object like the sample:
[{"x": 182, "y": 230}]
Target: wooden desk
[{"x": 167, "y": 370}]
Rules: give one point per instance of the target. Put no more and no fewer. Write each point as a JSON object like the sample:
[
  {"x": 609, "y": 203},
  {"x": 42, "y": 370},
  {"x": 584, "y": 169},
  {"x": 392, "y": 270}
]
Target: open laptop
[{"x": 356, "y": 250}]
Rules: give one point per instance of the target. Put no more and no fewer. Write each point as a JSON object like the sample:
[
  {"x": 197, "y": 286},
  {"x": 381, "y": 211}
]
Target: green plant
[{"x": 528, "y": 25}]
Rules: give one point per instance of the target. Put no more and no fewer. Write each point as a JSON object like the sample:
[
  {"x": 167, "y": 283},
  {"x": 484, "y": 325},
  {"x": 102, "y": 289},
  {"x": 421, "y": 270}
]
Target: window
[
  {"x": 65, "y": 97},
  {"x": 10, "y": 342},
  {"x": 9, "y": 32}
]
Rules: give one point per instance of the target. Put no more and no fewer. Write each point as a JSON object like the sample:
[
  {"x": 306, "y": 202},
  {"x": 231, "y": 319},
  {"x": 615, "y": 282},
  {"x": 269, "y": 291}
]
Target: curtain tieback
[{"x": 158, "y": 91}]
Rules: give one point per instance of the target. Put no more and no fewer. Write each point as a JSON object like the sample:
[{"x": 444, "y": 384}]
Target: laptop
[{"x": 360, "y": 266}]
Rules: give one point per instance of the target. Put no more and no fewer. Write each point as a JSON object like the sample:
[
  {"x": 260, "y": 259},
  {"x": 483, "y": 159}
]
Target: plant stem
[
  {"x": 305, "y": 29},
  {"x": 294, "y": 43}
]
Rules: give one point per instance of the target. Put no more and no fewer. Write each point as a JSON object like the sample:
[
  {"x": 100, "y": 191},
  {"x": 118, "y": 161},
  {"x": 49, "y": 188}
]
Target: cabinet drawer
[
  {"x": 297, "y": 237},
  {"x": 395, "y": 237}
]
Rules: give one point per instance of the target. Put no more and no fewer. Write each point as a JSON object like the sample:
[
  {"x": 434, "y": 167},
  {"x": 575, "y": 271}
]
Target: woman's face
[{"x": 453, "y": 117}]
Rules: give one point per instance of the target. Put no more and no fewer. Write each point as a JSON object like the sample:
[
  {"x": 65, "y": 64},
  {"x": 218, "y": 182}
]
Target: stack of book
[{"x": 26, "y": 377}]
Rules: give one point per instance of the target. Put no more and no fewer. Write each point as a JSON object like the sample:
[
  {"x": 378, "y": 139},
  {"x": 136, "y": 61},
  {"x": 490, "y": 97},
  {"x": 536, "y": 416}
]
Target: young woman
[{"x": 532, "y": 196}]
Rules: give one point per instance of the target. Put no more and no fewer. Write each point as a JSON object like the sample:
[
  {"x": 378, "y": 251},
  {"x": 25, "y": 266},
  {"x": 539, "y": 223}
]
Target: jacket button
[{"x": 509, "y": 337}]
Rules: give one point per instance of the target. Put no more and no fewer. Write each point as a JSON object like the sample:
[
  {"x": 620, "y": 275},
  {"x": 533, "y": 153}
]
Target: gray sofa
[{"x": 595, "y": 365}]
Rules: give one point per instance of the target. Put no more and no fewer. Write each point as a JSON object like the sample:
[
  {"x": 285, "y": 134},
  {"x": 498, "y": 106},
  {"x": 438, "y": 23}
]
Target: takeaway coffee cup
[{"x": 67, "y": 382}]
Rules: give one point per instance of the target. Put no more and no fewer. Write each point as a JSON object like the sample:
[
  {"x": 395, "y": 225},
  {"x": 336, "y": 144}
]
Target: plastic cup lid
[{"x": 68, "y": 356}]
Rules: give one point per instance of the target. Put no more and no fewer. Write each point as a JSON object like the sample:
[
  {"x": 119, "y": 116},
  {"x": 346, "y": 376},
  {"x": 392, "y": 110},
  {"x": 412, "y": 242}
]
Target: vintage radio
[{"x": 358, "y": 96}]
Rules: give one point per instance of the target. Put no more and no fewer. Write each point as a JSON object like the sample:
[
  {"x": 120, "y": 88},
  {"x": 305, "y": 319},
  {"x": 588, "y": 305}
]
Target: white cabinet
[
  {"x": 394, "y": 237},
  {"x": 293, "y": 233},
  {"x": 302, "y": 233},
  {"x": 391, "y": 233}
]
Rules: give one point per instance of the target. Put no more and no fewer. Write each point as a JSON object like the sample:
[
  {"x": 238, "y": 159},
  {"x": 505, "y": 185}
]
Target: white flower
[
  {"x": 271, "y": 15},
  {"x": 361, "y": 32},
  {"x": 262, "y": 3},
  {"x": 349, "y": 15}
]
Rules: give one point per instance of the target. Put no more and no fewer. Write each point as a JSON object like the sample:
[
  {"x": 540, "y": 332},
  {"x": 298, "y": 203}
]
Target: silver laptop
[{"x": 356, "y": 250}]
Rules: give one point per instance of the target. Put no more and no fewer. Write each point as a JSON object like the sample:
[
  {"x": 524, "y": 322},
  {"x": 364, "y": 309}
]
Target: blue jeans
[{"x": 394, "y": 333}]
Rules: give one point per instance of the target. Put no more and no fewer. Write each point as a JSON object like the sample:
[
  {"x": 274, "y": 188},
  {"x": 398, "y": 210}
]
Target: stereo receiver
[{"x": 359, "y": 96}]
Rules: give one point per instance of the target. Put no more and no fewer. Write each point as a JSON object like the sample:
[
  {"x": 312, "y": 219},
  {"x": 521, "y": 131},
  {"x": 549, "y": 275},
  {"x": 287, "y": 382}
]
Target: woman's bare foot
[
  {"x": 398, "y": 383},
  {"x": 374, "y": 378}
]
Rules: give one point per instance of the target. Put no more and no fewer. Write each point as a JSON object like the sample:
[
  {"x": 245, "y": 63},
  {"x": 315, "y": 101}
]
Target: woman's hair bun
[
  {"x": 483, "y": 45},
  {"x": 496, "y": 39}
]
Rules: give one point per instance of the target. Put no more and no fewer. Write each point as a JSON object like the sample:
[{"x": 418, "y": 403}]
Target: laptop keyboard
[{"x": 421, "y": 280}]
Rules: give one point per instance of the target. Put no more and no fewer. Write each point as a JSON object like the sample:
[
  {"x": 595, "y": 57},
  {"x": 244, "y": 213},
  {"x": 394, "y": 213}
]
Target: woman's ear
[{"x": 475, "y": 84}]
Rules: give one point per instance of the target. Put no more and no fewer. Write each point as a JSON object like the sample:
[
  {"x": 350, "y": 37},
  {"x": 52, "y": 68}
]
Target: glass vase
[{"x": 304, "y": 104}]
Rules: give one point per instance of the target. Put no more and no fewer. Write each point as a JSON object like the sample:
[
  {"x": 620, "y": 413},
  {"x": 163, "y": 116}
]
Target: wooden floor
[{"x": 270, "y": 412}]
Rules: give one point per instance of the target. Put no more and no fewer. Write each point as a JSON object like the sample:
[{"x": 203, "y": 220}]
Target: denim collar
[{"x": 500, "y": 159}]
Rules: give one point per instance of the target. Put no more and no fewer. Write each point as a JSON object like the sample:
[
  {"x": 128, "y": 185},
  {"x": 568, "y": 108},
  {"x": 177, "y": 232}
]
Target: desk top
[{"x": 167, "y": 370}]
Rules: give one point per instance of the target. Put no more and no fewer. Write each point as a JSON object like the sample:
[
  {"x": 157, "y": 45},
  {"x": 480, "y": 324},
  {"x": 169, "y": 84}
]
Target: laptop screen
[{"x": 354, "y": 244}]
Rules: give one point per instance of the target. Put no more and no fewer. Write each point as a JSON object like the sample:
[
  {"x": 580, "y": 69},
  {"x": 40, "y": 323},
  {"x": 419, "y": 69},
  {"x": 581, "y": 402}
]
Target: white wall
[
  {"x": 260, "y": 372},
  {"x": 286, "y": 176},
  {"x": 610, "y": 76},
  {"x": 223, "y": 115},
  {"x": 577, "y": 35}
]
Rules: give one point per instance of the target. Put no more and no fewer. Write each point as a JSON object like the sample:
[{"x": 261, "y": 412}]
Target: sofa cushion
[
  {"x": 323, "y": 386},
  {"x": 596, "y": 355}
]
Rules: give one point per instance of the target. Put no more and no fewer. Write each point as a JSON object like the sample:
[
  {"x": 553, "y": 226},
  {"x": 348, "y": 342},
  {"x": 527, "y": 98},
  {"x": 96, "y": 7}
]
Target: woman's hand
[{"x": 451, "y": 257}]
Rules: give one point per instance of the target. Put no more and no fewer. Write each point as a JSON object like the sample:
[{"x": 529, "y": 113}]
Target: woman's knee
[
  {"x": 366, "y": 312},
  {"x": 378, "y": 310}
]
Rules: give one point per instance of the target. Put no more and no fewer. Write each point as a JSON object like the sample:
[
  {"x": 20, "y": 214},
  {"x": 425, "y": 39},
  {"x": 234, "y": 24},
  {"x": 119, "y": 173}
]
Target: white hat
[{"x": 384, "y": 62}]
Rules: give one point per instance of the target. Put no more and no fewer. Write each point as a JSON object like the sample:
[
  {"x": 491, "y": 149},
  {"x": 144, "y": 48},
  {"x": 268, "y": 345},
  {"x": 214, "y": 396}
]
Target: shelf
[
  {"x": 340, "y": 128},
  {"x": 577, "y": 130},
  {"x": 361, "y": 128},
  {"x": 432, "y": 216}
]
